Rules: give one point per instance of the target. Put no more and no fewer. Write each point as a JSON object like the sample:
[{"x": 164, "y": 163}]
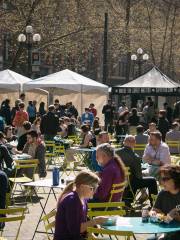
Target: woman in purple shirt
[
  {"x": 71, "y": 218},
  {"x": 113, "y": 172}
]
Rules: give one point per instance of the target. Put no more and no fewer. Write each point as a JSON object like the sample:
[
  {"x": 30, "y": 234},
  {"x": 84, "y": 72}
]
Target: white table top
[
  {"x": 48, "y": 183},
  {"x": 22, "y": 156}
]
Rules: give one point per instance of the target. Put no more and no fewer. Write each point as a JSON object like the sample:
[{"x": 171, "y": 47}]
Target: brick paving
[{"x": 31, "y": 219}]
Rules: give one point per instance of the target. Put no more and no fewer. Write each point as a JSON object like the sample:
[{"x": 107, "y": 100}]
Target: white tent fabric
[
  {"x": 11, "y": 81},
  {"x": 67, "y": 80},
  {"x": 70, "y": 86},
  {"x": 152, "y": 79}
]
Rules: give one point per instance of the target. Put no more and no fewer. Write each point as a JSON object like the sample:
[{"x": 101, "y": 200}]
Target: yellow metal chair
[
  {"x": 117, "y": 188},
  {"x": 49, "y": 222},
  {"x": 23, "y": 165},
  {"x": 139, "y": 148},
  {"x": 49, "y": 155},
  {"x": 106, "y": 209},
  {"x": 75, "y": 139},
  {"x": 12, "y": 215},
  {"x": 91, "y": 231},
  {"x": 174, "y": 146}
]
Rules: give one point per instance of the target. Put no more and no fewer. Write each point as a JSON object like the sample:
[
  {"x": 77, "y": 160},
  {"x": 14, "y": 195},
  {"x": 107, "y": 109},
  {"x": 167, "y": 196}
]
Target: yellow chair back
[
  {"x": 117, "y": 188},
  {"x": 13, "y": 215},
  {"x": 91, "y": 231},
  {"x": 49, "y": 222},
  {"x": 106, "y": 209}
]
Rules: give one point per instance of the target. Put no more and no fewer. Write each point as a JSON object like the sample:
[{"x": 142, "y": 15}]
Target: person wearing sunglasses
[
  {"x": 168, "y": 200},
  {"x": 8, "y": 132},
  {"x": 71, "y": 218}
]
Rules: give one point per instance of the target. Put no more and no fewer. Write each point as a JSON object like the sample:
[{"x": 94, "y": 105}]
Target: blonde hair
[{"x": 84, "y": 177}]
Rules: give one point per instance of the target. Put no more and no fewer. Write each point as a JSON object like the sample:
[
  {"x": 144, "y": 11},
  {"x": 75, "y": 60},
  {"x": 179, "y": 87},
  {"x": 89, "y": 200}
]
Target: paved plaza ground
[{"x": 31, "y": 219}]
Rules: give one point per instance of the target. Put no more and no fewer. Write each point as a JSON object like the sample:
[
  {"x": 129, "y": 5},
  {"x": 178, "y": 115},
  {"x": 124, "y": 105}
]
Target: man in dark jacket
[
  {"x": 108, "y": 111},
  {"x": 49, "y": 124},
  {"x": 3, "y": 191},
  {"x": 133, "y": 162},
  {"x": 6, "y": 161},
  {"x": 6, "y": 111}
]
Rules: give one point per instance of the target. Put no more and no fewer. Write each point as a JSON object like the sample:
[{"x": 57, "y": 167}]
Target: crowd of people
[{"x": 31, "y": 128}]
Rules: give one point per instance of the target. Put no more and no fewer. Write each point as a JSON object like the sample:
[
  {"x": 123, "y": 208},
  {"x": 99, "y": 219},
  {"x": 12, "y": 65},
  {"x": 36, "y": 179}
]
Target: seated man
[
  {"x": 133, "y": 162},
  {"x": 3, "y": 191},
  {"x": 23, "y": 138},
  {"x": 156, "y": 154},
  {"x": 174, "y": 135},
  {"x": 141, "y": 138},
  {"x": 103, "y": 137},
  {"x": 6, "y": 161},
  {"x": 36, "y": 148}
]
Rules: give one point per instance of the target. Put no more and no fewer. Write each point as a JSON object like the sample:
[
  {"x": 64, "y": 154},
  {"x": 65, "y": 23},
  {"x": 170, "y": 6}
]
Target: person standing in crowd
[
  {"x": 73, "y": 199},
  {"x": 5, "y": 156},
  {"x": 71, "y": 110},
  {"x": 122, "y": 125},
  {"x": 3, "y": 191},
  {"x": 163, "y": 124},
  {"x": 169, "y": 112},
  {"x": 176, "y": 113},
  {"x": 113, "y": 172},
  {"x": 122, "y": 108},
  {"x": 93, "y": 109},
  {"x": 36, "y": 125},
  {"x": 20, "y": 117},
  {"x": 156, "y": 154},
  {"x": 36, "y": 149},
  {"x": 23, "y": 138},
  {"x": 31, "y": 110},
  {"x": 108, "y": 111},
  {"x": 141, "y": 138},
  {"x": 49, "y": 124},
  {"x": 87, "y": 116},
  {"x": 15, "y": 109},
  {"x": 6, "y": 111},
  {"x": 174, "y": 135},
  {"x": 22, "y": 97},
  {"x": 133, "y": 162},
  {"x": 42, "y": 110},
  {"x": 168, "y": 200},
  {"x": 134, "y": 118},
  {"x": 59, "y": 109}
]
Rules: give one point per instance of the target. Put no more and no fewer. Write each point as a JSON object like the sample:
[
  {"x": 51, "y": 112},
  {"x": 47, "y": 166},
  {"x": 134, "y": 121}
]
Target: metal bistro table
[
  {"x": 135, "y": 225},
  {"x": 46, "y": 183}
]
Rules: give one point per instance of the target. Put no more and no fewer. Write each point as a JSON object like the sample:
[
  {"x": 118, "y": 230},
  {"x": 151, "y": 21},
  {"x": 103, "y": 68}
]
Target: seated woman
[
  {"x": 113, "y": 172},
  {"x": 71, "y": 218},
  {"x": 36, "y": 125},
  {"x": 168, "y": 200},
  {"x": 9, "y": 136}
]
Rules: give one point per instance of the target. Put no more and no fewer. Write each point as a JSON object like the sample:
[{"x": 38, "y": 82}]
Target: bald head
[{"x": 129, "y": 141}]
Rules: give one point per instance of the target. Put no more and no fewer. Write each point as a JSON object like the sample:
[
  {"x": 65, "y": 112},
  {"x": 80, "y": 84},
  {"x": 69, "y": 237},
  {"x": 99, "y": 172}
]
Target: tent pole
[{"x": 81, "y": 99}]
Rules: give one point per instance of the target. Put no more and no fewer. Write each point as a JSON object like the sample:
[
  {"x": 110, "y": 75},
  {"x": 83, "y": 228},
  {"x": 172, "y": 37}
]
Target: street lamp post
[
  {"x": 139, "y": 58},
  {"x": 28, "y": 39}
]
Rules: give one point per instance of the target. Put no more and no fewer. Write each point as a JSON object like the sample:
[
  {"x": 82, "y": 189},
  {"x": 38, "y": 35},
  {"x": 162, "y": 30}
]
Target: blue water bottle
[{"x": 55, "y": 176}]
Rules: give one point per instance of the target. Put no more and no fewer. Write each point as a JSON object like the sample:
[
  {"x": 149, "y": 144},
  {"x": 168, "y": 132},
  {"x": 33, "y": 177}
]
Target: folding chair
[
  {"x": 49, "y": 155},
  {"x": 139, "y": 149},
  {"x": 21, "y": 165},
  {"x": 49, "y": 222},
  {"x": 91, "y": 231},
  {"x": 12, "y": 215},
  {"x": 117, "y": 188},
  {"x": 174, "y": 146},
  {"x": 106, "y": 209}
]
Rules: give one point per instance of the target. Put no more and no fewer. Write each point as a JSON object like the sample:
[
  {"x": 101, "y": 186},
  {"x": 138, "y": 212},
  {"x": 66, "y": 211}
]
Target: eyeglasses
[
  {"x": 10, "y": 129},
  {"x": 164, "y": 179}
]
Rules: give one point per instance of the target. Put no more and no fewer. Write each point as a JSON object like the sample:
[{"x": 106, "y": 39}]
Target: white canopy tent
[
  {"x": 11, "y": 86},
  {"x": 71, "y": 86}
]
